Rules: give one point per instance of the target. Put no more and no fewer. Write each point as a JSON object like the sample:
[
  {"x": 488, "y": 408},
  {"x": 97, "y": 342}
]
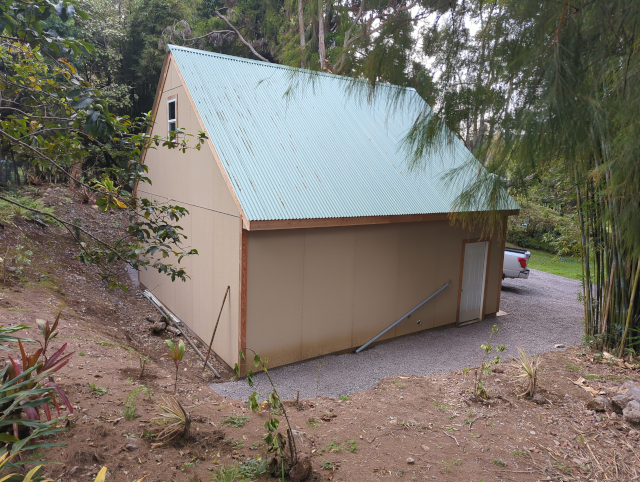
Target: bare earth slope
[{"x": 396, "y": 424}]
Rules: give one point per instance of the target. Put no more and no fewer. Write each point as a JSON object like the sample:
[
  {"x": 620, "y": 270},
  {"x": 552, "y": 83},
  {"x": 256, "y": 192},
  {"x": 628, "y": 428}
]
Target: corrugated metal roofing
[{"x": 303, "y": 146}]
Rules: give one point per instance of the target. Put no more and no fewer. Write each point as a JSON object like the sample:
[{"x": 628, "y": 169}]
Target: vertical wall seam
[
  {"x": 438, "y": 281},
  {"x": 398, "y": 257},
  {"x": 353, "y": 296},
  {"x": 304, "y": 252}
]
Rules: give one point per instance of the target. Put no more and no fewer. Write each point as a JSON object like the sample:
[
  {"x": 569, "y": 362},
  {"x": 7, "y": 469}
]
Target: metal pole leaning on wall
[
  {"x": 401, "y": 318},
  {"x": 176, "y": 322},
  {"x": 216, "y": 328}
]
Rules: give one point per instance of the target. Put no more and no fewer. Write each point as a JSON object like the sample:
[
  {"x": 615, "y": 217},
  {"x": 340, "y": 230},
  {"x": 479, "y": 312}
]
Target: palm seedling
[
  {"x": 173, "y": 421},
  {"x": 143, "y": 363},
  {"x": 528, "y": 369},
  {"x": 177, "y": 352}
]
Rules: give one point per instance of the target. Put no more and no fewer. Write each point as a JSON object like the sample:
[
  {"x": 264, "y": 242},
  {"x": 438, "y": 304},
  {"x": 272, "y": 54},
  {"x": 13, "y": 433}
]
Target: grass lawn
[{"x": 567, "y": 267}]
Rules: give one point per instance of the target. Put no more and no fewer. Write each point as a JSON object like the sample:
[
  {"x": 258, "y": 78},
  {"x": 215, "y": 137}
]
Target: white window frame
[{"x": 172, "y": 100}]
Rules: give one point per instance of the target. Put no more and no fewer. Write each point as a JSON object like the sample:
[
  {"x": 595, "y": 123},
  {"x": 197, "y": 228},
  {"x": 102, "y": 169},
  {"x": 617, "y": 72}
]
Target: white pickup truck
[{"x": 515, "y": 263}]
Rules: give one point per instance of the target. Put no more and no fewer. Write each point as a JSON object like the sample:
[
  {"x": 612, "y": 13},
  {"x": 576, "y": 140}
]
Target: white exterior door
[{"x": 473, "y": 276}]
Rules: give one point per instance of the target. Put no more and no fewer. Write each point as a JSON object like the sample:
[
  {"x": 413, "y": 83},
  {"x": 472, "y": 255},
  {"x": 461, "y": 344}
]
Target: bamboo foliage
[{"x": 550, "y": 84}]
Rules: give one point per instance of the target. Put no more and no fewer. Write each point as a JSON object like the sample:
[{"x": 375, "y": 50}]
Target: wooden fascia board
[
  {"x": 154, "y": 110},
  {"x": 352, "y": 221},
  {"x": 245, "y": 221}
]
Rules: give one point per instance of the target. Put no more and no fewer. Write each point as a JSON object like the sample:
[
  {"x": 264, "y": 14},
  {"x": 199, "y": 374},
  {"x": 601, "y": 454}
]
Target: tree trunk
[
  {"x": 302, "y": 39},
  {"x": 15, "y": 171},
  {"x": 321, "y": 45}
]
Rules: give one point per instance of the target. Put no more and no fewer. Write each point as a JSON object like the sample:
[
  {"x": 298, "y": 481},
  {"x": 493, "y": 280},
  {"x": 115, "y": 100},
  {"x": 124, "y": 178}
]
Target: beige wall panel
[
  {"x": 170, "y": 80},
  {"x": 181, "y": 164},
  {"x": 329, "y": 262},
  {"x": 207, "y": 182},
  {"x": 174, "y": 78},
  {"x": 226, "y": 266},
  {"x": 183, "y": 290},
  {"x": 194, "y": 181},
  {"x": 376, "y": 281},
  {"x": 449, "y": 259},
  {"x": 204, "y": 298},
  {"x": 222, "y": 199},
  {"x": 275, "y": 292},
  {"x": 419, "y": 252}
]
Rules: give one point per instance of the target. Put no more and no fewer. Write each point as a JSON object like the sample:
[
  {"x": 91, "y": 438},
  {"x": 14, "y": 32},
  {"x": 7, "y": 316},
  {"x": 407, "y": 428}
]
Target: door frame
[{"x": 486, "y": 276}]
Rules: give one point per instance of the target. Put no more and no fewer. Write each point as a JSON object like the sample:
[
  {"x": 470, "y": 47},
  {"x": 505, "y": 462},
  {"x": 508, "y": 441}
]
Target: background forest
[
  {"x": 544, "y": 94},
  {"x": 381, "y": 41}
]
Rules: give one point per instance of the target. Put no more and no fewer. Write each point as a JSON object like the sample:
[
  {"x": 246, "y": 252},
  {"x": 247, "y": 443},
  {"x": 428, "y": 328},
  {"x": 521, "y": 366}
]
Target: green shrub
[{"x": 9, "y": 211}]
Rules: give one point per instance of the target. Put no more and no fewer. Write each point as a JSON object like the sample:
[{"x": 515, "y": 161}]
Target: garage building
[{"x": 303, "y": 204}]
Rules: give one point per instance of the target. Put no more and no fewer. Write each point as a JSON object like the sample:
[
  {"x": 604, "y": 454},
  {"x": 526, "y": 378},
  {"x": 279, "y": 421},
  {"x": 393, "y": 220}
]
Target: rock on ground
[
  {"x": 627, "y": 392},
  {"x": 599, "y": 404},
  {"x": 631, "y": 412}
]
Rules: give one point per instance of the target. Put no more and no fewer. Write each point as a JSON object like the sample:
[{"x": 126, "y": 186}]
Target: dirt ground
[{"x": 412, "y": 428}]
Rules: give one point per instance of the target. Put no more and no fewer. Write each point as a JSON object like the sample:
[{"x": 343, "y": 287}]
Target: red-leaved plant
[{"x": 43, "y": 366}]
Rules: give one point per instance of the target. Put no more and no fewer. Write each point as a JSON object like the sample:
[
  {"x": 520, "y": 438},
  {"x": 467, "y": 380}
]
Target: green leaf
[
  {"x": 82, "y": 103},
  {"x": 5, "y": 437}
]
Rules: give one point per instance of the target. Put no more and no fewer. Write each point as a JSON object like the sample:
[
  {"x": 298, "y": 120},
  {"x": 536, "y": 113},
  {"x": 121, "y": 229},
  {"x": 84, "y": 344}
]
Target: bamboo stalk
[
  {"x": 585, "y": 259},
  {"x": 629, "y": 313},
  {"x": 606, "y": 309}
]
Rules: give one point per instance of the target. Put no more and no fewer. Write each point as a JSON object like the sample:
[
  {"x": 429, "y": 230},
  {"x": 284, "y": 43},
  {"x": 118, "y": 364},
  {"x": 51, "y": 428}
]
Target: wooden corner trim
[
  {"x": 242, "y": 329},
  {"x": 503, "y": 243}
]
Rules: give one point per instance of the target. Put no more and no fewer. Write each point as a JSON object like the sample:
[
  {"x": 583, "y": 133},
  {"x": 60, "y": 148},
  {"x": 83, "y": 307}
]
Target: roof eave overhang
[{"x": 351, "y": 221}]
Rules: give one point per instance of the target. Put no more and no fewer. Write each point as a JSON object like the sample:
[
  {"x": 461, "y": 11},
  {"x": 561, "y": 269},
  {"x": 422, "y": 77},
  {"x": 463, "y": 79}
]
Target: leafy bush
[
  {"x": 33, "y": 366},
  {"x": 26, "y": 392},
  {"x": 541, "y": 227},
  {"x": 31, "y": 476}
]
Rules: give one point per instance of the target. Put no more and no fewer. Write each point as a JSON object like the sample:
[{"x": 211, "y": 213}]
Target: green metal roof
[{"x": 297, "y": 145}]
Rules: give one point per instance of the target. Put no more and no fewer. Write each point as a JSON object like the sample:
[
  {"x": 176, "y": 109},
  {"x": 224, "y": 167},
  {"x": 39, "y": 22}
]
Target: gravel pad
[{"x": 542, "y": 311}]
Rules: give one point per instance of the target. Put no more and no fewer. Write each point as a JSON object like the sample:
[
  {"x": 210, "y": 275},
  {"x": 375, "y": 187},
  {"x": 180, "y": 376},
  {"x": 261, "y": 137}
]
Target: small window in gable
[{"x": 172, "y": 113}]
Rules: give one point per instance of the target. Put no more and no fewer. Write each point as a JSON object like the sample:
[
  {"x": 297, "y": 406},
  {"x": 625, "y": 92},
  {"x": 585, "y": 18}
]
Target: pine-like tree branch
[{"x": 241, "y": 37}]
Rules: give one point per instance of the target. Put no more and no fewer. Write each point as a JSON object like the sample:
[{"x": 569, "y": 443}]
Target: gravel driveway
[{"x": 542, "y": 311}]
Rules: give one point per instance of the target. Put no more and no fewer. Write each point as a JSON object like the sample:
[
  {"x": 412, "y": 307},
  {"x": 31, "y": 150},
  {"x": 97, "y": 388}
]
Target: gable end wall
[{"x": 213, "y": 227}]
